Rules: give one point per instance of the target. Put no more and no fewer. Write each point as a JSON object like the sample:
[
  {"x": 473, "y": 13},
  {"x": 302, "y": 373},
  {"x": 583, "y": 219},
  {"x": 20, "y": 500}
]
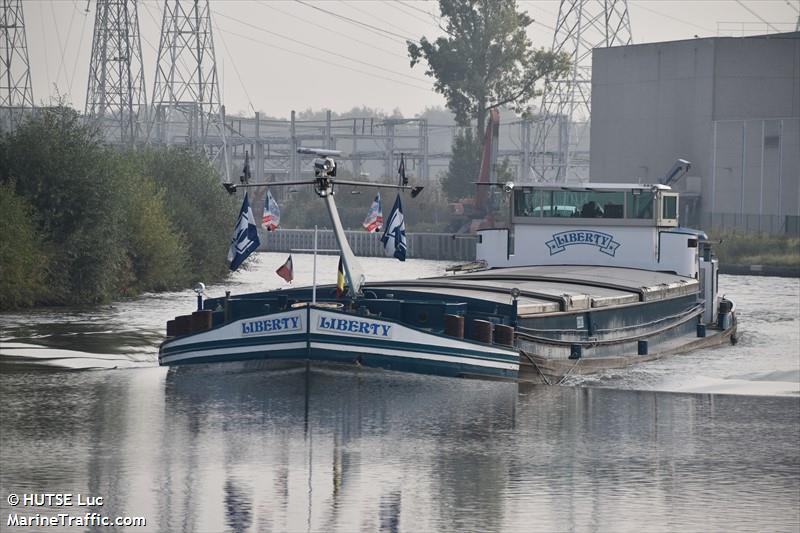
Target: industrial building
[{"x": 729, "y": 105}]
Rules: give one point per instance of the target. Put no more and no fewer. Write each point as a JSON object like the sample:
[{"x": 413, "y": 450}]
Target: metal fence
[
  {"x": 772, "y": 224},
  {"x": 440, "y": 246}
]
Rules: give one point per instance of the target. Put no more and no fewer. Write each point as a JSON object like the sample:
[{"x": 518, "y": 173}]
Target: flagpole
[{"x": 314, "y": 275}]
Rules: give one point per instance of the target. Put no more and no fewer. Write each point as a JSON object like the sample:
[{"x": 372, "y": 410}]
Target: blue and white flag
[
  {"x": 245, "y": 236},
  {"x": 394, "y": 236}
]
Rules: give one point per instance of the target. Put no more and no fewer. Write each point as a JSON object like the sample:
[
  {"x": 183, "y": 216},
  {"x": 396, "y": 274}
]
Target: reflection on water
[{"x": 325, "y": 450}]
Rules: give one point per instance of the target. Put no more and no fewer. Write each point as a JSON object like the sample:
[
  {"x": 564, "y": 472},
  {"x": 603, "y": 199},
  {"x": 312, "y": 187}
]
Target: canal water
[{"x": 703, "y": 442}]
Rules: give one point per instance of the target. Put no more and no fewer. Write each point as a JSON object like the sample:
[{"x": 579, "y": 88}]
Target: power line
[
  {"x": 661, "y": 13},
  {"x": 63, "y": 50},
  {"x": 235, "y": 68},
  {"x": 77, "y": 56},
  {"x": 44, "y": 36},
  {"x": 375, "y": 17},
  {"x": 317, "y": 48},
  {"x": 62, "y": 45},
  {"x": 313, "y": 58},
  {"x": 415, "y": 8},
  {"x": 324, "y": 26},
  {"x": 757, "y": 15},
  {"x": 155, "y": 21},
  {"x": 358, "y": 22}
]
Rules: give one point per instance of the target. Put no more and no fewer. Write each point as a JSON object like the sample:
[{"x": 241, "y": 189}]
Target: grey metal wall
[
  {"x": 729, "y": 105},
  {"x": 754, "y": 184}
]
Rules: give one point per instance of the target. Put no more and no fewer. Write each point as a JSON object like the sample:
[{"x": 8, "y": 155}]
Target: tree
[
  {"x": 464, "y": 166},
  {"x": 83, "y": 222},
  {"x": 486, "y": 59}
]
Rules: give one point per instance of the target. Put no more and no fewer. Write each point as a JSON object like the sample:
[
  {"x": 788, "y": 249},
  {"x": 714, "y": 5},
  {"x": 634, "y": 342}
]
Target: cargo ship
[{"x": 578, "y": 279}]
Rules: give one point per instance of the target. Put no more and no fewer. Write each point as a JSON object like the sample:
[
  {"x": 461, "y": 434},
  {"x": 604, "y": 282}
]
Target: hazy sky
[{"x": 340, "y": 64}]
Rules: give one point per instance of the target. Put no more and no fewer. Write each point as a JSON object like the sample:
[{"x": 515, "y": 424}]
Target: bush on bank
[
  {"x": 99, "y": 223},
  {"x": 22, "y": 266},
  {"x": 756, "y": 249}
]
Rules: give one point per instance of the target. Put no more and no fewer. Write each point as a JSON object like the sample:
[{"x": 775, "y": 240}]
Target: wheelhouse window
[
  {"x": 584, "y": 204},
  {"x": 669, "y": 207},
  {"x": 558, "y": 203},
  {"x": 527, "y": 203},
  {"x": 640, "y": 204}
]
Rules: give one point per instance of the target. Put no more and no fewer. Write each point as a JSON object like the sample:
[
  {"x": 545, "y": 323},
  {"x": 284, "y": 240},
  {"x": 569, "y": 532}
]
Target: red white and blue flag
[
  {"x": 374, "y": 220},
  {"x": 272, "y": 213},
  {"x": 286, "y": 270}
]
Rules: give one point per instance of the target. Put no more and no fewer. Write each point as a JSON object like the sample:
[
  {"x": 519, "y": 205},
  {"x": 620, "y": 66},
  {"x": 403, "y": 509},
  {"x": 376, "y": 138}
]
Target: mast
[
  {"x": 324, "y": 174},
  {"x": 325, "y": 170}
]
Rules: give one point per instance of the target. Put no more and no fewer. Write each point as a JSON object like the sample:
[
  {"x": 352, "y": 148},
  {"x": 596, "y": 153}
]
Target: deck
[{"x": 551, "y": 289}]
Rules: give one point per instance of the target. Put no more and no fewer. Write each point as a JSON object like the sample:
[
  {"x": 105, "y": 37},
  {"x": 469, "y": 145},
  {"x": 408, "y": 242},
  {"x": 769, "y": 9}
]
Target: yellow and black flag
[{"x": 340, "y": 287}]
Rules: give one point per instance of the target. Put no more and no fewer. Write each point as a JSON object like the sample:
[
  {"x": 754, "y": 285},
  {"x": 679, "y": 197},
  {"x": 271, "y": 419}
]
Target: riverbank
[
  {"x": 757, "y": 254},
  {"x": 761, "y": 270}
]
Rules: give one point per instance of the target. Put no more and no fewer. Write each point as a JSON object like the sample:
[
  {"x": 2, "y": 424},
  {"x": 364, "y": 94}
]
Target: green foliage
[
  {"x": 485, "y": 60},
  {"x": 109, "y": 223},
  {"x": 756, "y": 249},
  {"x": 66, "y": 174},
  {"x": 23, "y": 257},
  {"x": 464, "y": 166},
  {"x": 158, "y": 255},
  {"x": 198, "y": 207}
]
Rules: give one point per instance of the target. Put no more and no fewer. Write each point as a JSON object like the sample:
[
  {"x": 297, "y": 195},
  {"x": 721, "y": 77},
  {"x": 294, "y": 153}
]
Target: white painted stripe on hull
[
  {"x": 233, "y": 350},
  {"x": 416, "y": 355},
  {"x": 340, "y": 348}
]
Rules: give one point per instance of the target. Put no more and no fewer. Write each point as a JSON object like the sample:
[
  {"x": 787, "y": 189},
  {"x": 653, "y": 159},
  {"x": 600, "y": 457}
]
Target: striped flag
[
  {"x": 286, "y": 270},
  {"x": 245, "y": 236},
  {"x": 374, "y": 220},
  {"x": 340, "y": 288},
  {"x": 272, "y": 213},
  {"x": 394, "y": 236}
]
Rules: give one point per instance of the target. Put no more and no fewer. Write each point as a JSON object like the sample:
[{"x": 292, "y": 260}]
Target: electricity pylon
[
  {"x": 16, "y": 92},
  {"x": 116, "y": 96},
  {"x": 186, "y": 101},
  {"x": 566, "y": 103}
]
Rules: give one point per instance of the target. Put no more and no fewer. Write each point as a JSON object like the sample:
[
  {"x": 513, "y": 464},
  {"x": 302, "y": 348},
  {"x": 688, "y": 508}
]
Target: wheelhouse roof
[{"x": 597, "y": 186}]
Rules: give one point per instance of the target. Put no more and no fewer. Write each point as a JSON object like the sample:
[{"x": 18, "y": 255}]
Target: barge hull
[
  {"x": 321, "y": 335},
  {"x": 538, "y": 369}
]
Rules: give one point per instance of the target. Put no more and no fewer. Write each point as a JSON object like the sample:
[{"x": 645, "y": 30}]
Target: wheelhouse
[{"x": 606, "y": 204}]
